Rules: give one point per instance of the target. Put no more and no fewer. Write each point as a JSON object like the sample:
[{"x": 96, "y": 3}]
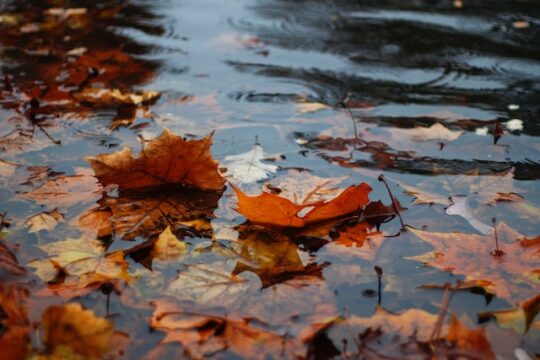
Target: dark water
[{"x": 246, "y": 69}]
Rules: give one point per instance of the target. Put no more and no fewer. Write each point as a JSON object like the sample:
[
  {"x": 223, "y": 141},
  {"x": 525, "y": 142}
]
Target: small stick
[
  {"x": 498, "y": 252},
  {"x": 445, "y": 302},
  {"x": 344, "y": 105},
  {"x": 379, "y": 272},
  {"x": 394, "y": 204}
]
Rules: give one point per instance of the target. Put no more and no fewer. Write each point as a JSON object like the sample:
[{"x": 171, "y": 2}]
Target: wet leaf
[
  {"x": 108, "y": 97},
  {"x": 168, "y": 159},
  {"x": 70, "y": 326},
  {"x": 203, "y": 335},
  {"x": 168, "y": 246},
  {"x": 44, "y": 221},
  {"x": 358, "y": 240},
  {"x": 436, "y": 131},
  {"x": 248, "y": 167},
  {"x": 470, "y": 341},
  {"x": 8, "y": 261},
  {"x": 148, "y": 212},
  {"x": 14, "y": 322},
  {"x": 521, "y": 318},
  {"x": 277, "y": 210},
  {"x": 83, "y": 258},
  {"x": 515, "y": 272}
]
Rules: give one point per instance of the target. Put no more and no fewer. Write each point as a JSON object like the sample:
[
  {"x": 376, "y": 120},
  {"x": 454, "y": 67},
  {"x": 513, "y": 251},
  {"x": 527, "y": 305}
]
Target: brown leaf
[
  {"x": 168, "y": 159},
  {"x": 44, "y": 221},
  {"x": 168, "y": 246},
  {"x": 515, "y": 273},
  {"x": 203, "y": 335},
  {"x": 145, "y": 213},
  {"x": 14, "y": 323},
  {"x": 8, "y": 261},
  {"x": 357, "y": 240},
  {"x": 471, "y": 341},
  {"x": 273, "y": 210},
  {"x": 520, "y": 319},
  {"x": 272, "y": 256},
  {"x": 71, "y": 326}
]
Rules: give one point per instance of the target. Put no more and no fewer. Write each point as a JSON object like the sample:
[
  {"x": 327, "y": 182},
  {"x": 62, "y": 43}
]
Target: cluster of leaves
[{"x": 158, "y": 234}]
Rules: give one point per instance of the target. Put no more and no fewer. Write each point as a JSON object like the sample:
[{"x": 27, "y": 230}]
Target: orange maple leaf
[
  {"x": 273, "y": 210},
  {"x": 168, "y": 159},
  {"x": 514, "y": 273}
]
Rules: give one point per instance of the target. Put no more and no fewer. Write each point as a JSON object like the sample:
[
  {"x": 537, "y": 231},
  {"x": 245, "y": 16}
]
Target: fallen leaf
[
  {"x": 487, "y": 189},
  {"x": 248, "y": 167},
  {"x": 274, "y": 210},
  {"x": 471, "y": 341},
  {"x": 168, "y": 159},
  {"x": 272, "y": 256},
  {"x": 14, "y": 322},
  {"x": 108, "y": 97},
  {"x": 357, "y": 240},
  {"x": 44, "y": 221},
  {"x": 8, "y": 261},
  {"x": 521, "y": 318},
  {"x": 83, "y": 258},
  {"x": 514, "y": 274},
  {"x": 64, "y": 191},
  {"x": 7, "y": 168},
  {"x": 148, "y": 212},
  {"x": 308, "y": 108},
  {"x": 168, "y": 247},
  {"x": 203, "y": 335},
  {"x": 436, "y": 131},
  {"x": 71, "y": 326}
]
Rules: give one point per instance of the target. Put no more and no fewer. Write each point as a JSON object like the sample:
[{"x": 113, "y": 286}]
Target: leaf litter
[{"x": 191, "y": 244}]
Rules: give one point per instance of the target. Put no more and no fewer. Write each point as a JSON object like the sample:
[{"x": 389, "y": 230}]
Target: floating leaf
[
  {"x": 515, "y": 272},
  {"x": 168, "y": 159},
  {"x": 44, "y": 221},
  {"x": 248, "y": 167}
]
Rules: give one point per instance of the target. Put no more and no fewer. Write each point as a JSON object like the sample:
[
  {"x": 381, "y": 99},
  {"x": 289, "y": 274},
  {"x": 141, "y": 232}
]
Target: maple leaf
[
  {"x": 203, "y": 335},
  {"x": 168, "y": 247},
  {"x": 107, "y": 97},
  {"x": 469, "y": 341},
  {"x": 311, "y": 207},
  {"x": 44, "y": 221},
  {"x": 248, "y": 167},
  {"x": 8, "y": 261},
  {"x": 168, "y": 159},
  {"x": 356, "y": 240},
  {"x": 520, "y": 318},
  {"x": 487, "y": 189},
  {"x": 515, "y": 272},
  {"x": 14, "y": 322},
  {"x": 83, "y": 258},
  {"x": 436, "y": 131},
  {"x": 272, "y": 256},
  {"x": 64, "y": 191},
  {"x": 71, "y": 328},
  {"x": 145, "y": 213}
]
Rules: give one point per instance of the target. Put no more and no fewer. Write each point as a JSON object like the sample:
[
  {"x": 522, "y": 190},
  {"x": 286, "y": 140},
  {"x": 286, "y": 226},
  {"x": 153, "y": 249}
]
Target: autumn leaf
[
  {"x": 107, "y": 97},
  {"x": 515, "y": 272},
  {"x": 14, "y": 322},
  {"x": 436, "y": 131},
  {"x": 64, "y": 191},
  {"x": 469, "y": 341},
  {"x": 356, "y": 240},
  {"x": 46, "y": 220},
  {"x": 272, "y": 256},
  {"x": 168, "y": 159},
  {"x": 248, "y": 167},
  {"x": 487, "y": 189},
  {"x": 148, "y": 212},
  {"x": 8, "y": 261},
  {"x": 168, "y": 246},
  {"x": 521, "y": 318},
  {"x": 72, "y": 328},
  {"x": 84, "y": 259},
  {"x": 277, "y": 210},
  {"x": 204, "y": 335}
]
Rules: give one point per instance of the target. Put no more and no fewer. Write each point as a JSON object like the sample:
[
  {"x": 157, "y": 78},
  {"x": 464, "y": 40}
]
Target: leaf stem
[
  {"x": 445, "y": 302},
  {"x": 498, "y": 252},
  {"x": 379, "y": 272},
  {"x": 394, "y": 203}
]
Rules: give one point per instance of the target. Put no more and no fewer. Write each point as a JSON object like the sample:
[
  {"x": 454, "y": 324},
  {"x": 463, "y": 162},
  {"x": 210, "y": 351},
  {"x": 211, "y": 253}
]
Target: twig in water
[{"x": 394, "y": 203}]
